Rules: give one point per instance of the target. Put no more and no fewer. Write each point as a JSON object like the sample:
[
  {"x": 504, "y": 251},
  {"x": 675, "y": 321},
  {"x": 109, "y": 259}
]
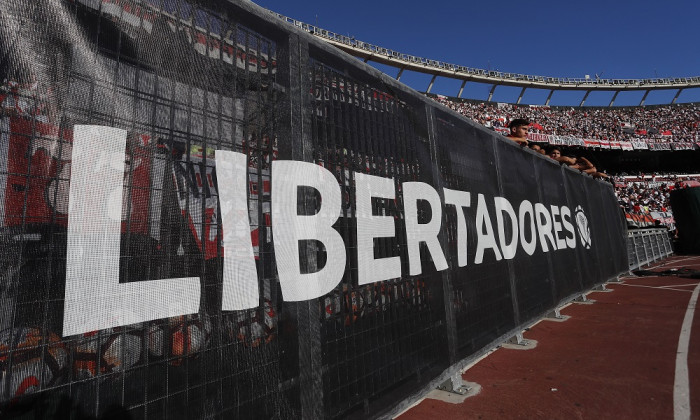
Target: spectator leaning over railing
[
  {"x": 579, "y": 162},
  {"x": 518, "y": 131},
  {"x": 519, "y": 128},
  {"x": 555, "y": 154}
]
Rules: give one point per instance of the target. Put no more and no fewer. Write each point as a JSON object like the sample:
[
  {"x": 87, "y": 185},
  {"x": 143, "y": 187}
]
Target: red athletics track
[{"x": 613, "y": 359}]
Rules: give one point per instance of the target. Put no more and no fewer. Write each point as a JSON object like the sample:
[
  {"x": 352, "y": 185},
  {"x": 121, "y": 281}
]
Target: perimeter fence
[
  {"x": 645, "y": 246},
  {"x": 207, "y": 213}
]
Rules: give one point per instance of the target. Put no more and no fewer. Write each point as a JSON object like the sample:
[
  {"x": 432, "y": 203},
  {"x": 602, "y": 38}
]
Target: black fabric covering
[
  {"x": 186, "y": 78},
  {"x": 686, "y": 211}
]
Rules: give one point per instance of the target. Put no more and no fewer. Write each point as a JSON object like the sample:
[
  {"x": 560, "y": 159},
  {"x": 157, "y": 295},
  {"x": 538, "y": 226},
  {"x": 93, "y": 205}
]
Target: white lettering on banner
[
  {"x": 425, "y": 232},
  {"x": 566, "y": 221},
  {"x": 526, "y": 209},
  {"x": 584, "y": 230},
  {"x": 504, "y": 206},
  {"x": 94, "y": 298},
  {"x": 484, "y": 232},
  {"x": 369, "y": 226},
  {"x": 240, "y": 288},
  {"x": 544, "y": 226},
  {"x": 459, "y": 199},
  {"x": 557, "y": 227},
  {"x": 289, "y": 228}
]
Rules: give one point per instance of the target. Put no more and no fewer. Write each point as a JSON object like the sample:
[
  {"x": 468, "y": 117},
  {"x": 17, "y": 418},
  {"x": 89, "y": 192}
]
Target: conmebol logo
[{"x": 584, "y": 231}]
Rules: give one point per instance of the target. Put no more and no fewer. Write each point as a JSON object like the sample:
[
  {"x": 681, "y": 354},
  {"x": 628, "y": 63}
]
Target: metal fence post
[
  {"x": 668, "y": 247},
  {"x": 647, "y": 248}
]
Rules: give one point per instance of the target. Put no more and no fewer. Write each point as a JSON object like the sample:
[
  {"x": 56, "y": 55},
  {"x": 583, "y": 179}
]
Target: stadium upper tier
[
  {"x": 402, "y": 61},
  {"x": 659, "y": 127}
]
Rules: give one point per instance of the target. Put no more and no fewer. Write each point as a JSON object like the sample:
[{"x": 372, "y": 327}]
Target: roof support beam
[
  {"x": 644, "y": 98},
  {"x": 461, "y": 88},
  {"x": 398, "y": 76},
  {"x": 549, "y": 97},
  {"x": 612, "y": 101},
  {"x": 491, "y": 93},
  {"x": 583, "y": 101},
  {"x": 430, "y": 86},
  {"x": 522, "y": 92},
  {"x": 370, "y": 52},
  {"x": 677, "y": 95}
]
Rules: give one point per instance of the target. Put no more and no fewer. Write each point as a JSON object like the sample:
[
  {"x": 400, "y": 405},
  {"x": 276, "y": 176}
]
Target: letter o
[{"x": 526, "y": 209}]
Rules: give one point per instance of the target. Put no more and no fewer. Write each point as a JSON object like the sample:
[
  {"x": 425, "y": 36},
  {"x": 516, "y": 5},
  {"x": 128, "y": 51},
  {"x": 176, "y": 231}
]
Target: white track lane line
[
  {"x": 674, "y": 262},
  {"x": 663, "y": 263},
  {"x": 681, "y": 384},
  {"x": 655, "y": 287}
]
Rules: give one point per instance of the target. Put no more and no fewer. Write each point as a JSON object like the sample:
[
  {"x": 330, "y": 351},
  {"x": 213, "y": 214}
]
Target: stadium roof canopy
[{"x": 370, "y": 52}]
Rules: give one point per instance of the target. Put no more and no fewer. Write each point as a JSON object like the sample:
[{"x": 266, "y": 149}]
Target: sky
[{"x": 613, "y": 39}]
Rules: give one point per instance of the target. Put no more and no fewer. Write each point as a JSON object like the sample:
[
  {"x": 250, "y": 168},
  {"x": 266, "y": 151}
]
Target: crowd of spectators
[
  {"x": 640, "y": 194},
  {"x": 651, "y": 193},
  {"x": 643, "y": 197},
  {"x": 653, "y": 124}
]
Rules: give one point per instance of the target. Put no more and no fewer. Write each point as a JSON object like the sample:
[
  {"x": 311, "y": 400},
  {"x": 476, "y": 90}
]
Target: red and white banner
[
  {"x": 626, "y": 145},
  {"x": 538, "y": 137},
  {"x": 35, "y": 170},
  {"x": 197, "y": 196},
  {"x": 125, "y": 11}
]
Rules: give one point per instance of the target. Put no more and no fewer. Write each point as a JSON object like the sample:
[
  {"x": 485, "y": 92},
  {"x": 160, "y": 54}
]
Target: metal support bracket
[
  {"x": 455, "y": 385},
  {"x": 555, "y": 315},
  {"x": 455, "y": 390},
  {"x": 602, "y": 288},
  {"x": 617, "y": 279},
  {"x": 518, "y": 342},
  {"x": 583, "y": 299}
]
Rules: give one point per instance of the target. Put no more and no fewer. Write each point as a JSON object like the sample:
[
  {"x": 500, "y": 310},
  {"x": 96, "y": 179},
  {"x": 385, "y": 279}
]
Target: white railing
[{"x": 645, "y": 246}]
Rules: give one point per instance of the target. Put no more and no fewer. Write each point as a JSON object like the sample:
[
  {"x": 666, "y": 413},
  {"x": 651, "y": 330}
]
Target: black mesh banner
[
  {"x": 207, "y": 213},
  {"x": 687, "y": 201},
  {"x": 482, "y": 294},
  {"x": 566, "y": 278}
]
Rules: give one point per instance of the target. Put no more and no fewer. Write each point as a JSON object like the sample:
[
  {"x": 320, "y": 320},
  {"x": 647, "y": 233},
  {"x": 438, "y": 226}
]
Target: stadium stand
[
  {"x": 646, "y": 199},
  {"x": 643, "y": 198},
  {"x": 677, "y": 125},
  {"x": 369, "y": 52},
  {"x": 143, "y": 103}
]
